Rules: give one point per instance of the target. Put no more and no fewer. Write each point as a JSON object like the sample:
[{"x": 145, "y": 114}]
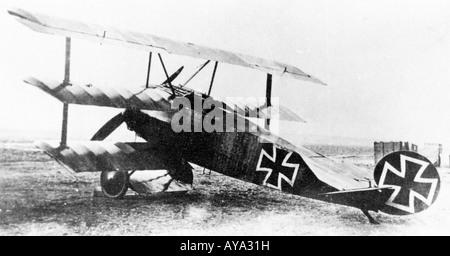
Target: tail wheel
[
  {"x": 414, "y": 181},
  {"x": 114, "y": 183}
]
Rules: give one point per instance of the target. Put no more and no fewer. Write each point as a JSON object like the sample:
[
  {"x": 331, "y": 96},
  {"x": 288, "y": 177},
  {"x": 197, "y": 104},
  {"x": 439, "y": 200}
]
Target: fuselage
[{"x": 241, "y": 155}]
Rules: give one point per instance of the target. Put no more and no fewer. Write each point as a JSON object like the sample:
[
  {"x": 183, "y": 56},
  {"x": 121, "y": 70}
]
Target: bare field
[{"x": 39, "y": 197}]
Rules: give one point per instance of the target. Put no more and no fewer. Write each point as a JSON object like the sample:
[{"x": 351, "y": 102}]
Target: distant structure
[
  {"x": 433, "y": 152},
  {"x": 383, "y": 148}
]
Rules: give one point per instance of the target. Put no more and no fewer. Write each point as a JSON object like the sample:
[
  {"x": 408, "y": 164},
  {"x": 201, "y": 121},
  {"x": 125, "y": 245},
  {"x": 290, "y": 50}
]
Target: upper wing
[{"x": 57, "y": 26}]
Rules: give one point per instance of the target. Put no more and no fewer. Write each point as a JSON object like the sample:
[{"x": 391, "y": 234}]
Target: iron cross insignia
[
  {"x": 414, "y": 179},
  {"x": 278, "y": 167}
]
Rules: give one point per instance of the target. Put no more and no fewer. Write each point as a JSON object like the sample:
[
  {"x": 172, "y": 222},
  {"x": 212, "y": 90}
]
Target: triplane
[{"x": 402, "y": 183}]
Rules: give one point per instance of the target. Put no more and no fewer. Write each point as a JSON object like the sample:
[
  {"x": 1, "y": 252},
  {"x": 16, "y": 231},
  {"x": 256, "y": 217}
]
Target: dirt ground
[{"x": 39, "y": 197}]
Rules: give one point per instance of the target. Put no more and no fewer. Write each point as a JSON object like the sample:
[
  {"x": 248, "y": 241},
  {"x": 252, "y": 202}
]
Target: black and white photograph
[{"x": 205, "y": 118}]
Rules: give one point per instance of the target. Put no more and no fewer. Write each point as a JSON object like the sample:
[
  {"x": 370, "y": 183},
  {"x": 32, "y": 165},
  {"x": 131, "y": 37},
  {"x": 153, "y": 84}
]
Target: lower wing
[{"x": 92, "y": 156}]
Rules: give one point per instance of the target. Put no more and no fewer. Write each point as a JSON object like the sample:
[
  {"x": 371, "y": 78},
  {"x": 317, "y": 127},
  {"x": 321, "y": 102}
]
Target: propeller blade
[
  {"x": 173, "y": 76},
  {"x": 108, "y": 127}
]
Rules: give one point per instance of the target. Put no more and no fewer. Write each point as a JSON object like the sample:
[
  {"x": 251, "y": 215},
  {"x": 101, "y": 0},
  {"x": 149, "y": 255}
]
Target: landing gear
[
  {"x": 114, "y": 183},
  {"x": 371, "y": 219}
]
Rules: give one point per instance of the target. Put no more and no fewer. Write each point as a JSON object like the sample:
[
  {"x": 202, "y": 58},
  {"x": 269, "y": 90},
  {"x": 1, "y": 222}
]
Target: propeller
[
  {"x": 173, "y": 76},
  {"x": 170, "y": 79},
  {"x": 109, "y": 127},
  {"x": 114, "y": 123}
]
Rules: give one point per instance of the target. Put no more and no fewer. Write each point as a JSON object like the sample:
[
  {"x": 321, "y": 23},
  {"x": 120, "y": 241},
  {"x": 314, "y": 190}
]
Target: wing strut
[
  {"x": 66, "y": 82},
  {"x": 196, "y": 72},
  {"x": 67, "y": 67},
  {"x": 167, "y": 75},
  {"x": 148, "y": 69},
  {"x": 212, "y": 78},
  {"x": 268, "y": 99}
]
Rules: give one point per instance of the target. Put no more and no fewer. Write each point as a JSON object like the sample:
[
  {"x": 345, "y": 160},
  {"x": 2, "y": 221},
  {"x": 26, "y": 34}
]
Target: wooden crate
[{"x": 383, "y": 148}]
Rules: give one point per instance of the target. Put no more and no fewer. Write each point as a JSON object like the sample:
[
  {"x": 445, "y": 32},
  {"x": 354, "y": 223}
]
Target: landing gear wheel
[{"x": 114, "y": 183}]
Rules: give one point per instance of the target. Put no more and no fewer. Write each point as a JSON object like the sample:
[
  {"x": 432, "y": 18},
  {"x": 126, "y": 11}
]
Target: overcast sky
[{"x": 386, "y": 63}]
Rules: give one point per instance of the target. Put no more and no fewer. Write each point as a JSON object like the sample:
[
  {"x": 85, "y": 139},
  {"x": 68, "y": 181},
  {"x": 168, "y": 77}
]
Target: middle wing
[
  {"x": 155, "y": 98},
  {"x": 149, "y": 99}
]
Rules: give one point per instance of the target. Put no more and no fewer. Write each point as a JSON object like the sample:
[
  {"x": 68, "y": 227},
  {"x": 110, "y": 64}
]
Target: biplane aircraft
[{"x": 402, "y": 183}]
